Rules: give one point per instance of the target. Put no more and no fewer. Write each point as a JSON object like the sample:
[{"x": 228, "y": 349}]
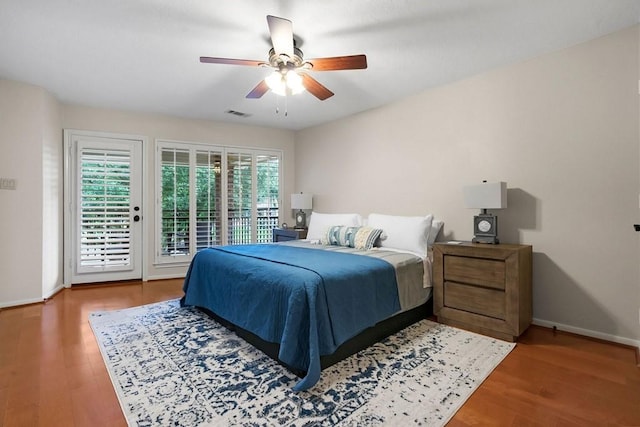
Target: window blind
[
  {"x": 239, "y": 197},
  {"x": 105, "y": 235},
  {"x": 268, "y": 195},
  {"x": 208, "y": 198},
  {"x": 174, "y": 233},
  {"x": 213, "y": 195}
]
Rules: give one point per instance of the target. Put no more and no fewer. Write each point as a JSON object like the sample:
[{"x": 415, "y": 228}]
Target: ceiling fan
[{"x": 290, "y": 68}]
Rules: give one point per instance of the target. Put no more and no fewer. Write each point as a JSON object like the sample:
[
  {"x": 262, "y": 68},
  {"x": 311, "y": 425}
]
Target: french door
[{"x": 103, "y": 207}]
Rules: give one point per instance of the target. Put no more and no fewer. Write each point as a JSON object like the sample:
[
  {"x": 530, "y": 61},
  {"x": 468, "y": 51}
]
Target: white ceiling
[{"x": 143, "y": 55}]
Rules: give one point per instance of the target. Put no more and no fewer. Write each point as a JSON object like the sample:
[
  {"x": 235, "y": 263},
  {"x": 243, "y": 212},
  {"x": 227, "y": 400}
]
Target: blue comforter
[{"x": 308, "y": 300}]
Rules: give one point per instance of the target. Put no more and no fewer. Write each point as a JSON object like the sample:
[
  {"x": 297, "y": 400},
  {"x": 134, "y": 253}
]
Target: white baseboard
[
  {"x": 54, "y": 291},
  {"x": 588, "y": 333},
  {"x": 16, "y": 303},
  {"x": 45, "y": 296},
  {"x": 165, "y": 276}
]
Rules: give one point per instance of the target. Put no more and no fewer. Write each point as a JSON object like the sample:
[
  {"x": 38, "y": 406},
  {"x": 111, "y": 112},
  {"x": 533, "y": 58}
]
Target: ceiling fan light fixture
[
  {"x": 294, "y": 82},
  {"x": 288, "y": 83},
  {"x": 290, "y": 75}
]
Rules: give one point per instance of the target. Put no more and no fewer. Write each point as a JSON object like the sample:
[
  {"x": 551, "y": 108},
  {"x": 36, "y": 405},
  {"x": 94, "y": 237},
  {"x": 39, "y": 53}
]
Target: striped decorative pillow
[{"x": 353, "y": 237}]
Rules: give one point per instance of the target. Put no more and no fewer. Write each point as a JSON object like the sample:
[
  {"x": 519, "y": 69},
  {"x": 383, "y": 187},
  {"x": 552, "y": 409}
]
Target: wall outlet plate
[{"x": 7, "y": 184}]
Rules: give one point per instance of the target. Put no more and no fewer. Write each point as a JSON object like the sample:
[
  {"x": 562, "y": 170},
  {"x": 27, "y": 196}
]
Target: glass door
[{"x": 105, "y": 212}]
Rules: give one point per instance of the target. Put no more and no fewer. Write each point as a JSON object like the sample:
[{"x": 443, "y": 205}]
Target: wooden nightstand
[
  {"x": 284, "y": 234},
  {"x": 483, "y": 288}
]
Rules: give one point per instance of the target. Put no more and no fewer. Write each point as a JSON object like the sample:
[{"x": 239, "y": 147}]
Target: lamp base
[
  {"x": 301, "y": 219},
  {"x": 485, "y": 228},
  {"x": 483, "y": 239}
]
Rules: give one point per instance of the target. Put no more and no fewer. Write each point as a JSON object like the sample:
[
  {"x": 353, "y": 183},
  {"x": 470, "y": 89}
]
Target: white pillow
[
  {"x": 319, "y": 223},
  {"x": 436, "y": 226},
  {"x": 406, "y": 233}
]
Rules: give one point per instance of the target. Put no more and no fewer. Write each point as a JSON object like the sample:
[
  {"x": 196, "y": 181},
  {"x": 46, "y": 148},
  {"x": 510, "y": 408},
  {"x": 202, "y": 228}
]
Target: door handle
[{"x": 636, "y": 226}]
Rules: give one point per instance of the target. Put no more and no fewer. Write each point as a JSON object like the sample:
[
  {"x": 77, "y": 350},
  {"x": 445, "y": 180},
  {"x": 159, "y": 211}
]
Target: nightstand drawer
[
  {"x": 474, "y": 299},
  {"x": 476, "y": 271},
  {"x": 285, "y": 234}
]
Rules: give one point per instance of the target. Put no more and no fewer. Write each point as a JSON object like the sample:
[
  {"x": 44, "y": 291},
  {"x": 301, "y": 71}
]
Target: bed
[{"x": 311, "y": 303}]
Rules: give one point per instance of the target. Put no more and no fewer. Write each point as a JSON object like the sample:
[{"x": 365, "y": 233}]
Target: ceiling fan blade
[
  {"x": 316, "y": 89},
  {"x": 250, "y": 62},
  {"x": 352, "y": 62},
  {"x": 258, "y": 91},
  {"x": 281, "y": 35}
]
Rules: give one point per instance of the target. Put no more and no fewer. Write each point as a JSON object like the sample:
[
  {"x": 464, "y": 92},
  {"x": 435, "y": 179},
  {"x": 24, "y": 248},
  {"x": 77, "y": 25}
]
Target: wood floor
[{"x": 52, "y": 373}]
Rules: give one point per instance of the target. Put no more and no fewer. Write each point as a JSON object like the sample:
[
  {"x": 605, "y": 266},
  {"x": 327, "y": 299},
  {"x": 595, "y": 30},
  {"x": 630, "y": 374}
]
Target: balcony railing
[{"x": 175, "y": 234}]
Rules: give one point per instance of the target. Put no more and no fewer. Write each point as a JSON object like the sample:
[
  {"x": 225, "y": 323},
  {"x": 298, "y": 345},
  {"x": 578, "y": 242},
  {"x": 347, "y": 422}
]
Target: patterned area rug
[{"x": 176, "y": 366}]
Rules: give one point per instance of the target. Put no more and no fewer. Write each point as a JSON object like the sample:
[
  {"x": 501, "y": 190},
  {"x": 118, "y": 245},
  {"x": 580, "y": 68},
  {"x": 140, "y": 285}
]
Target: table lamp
[{"x": 488, "y": 195}]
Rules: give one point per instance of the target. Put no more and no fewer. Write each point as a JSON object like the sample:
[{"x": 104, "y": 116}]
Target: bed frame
[{"x": 364, "y": 339}]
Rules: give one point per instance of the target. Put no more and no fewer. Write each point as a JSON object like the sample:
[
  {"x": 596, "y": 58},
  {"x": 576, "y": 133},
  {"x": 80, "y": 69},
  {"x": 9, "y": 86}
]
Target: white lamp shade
[
  {"x": 488, "y": 195},
  {"x": 301, "y": 201}
]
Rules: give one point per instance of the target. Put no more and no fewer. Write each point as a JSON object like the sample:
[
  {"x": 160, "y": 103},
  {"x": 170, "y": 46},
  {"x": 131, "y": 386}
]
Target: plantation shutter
[
  {"x": 105, "y": 227},
  {"x": 208, "y": 198},
  {"x": 268, "y": 180},
  {"x": 210, "y": 195},
  {"x": 239, "y": 198},
  {"x": 174, "y": 233}
]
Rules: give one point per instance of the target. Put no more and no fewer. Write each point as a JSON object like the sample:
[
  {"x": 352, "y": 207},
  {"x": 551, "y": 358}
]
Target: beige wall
[
  {"x": 561, "y": 130},
  {"x": 164, "y": 127},
  {"x": 30, "y": 248}
]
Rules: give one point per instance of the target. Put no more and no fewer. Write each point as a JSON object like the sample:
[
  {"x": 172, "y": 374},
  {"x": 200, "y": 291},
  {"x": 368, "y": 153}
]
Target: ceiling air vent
[{"x": 238, "y": 113}]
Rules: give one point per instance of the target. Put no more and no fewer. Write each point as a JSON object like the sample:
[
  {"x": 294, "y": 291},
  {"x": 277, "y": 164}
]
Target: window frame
[{"x": 225, "y": 151}]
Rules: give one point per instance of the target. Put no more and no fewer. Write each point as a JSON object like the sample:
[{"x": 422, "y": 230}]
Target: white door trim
[{"x": 69, "y": 135}]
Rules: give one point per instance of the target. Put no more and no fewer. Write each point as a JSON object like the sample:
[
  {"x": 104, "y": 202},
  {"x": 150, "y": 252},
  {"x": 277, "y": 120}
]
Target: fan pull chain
[{"x": 286, "y": 105}]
